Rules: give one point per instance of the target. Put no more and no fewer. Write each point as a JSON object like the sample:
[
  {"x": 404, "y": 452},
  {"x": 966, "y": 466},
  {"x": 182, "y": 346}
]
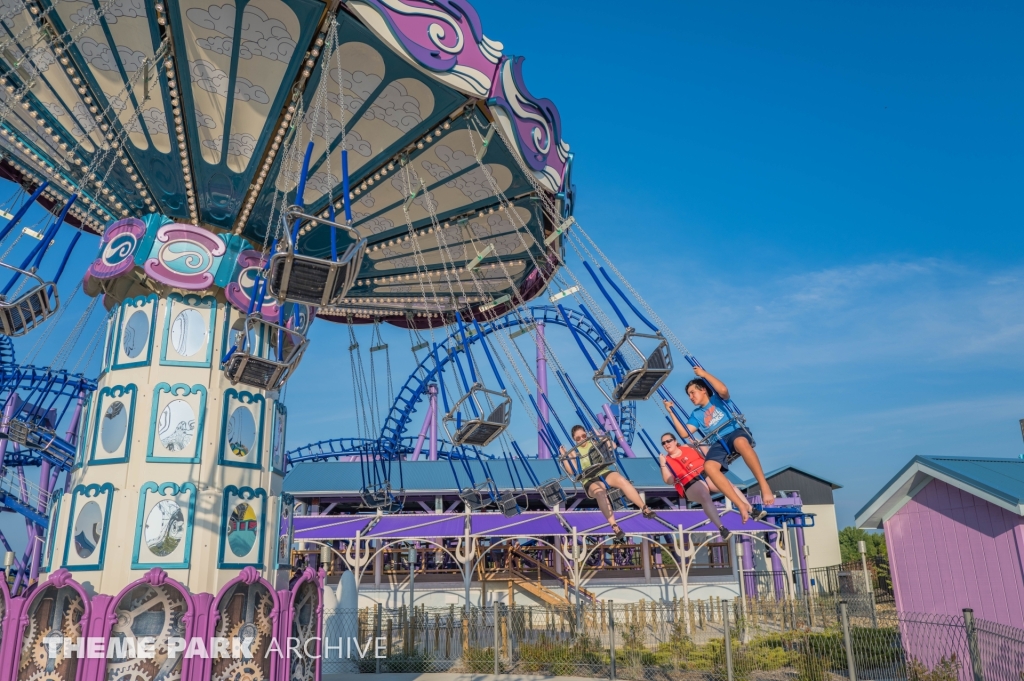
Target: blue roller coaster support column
[
  {"x": 24, "y": 209},
  {"x": 9, "y": 408},
  {"x": 440, "y": 379},
  {"x": 542, "y": 389},
  {"x": 425, "y": 428},
  {"x": 432, "y": 391}
]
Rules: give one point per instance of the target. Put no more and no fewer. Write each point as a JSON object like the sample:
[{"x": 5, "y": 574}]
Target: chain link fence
[{"x": 807, "y": 639}]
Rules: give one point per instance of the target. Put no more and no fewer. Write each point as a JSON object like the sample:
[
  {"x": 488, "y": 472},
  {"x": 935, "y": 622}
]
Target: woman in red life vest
[{"x": 684, "y": 467}]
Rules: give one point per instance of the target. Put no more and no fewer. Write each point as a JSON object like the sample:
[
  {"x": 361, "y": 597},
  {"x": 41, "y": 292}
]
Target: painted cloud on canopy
[
  {"x": 239, "y": 144},
  {"x": 99, "y": 56},
  {"x": 208, "y": 77},
  {"x": 262, "y": 36},
  {"x": 112, "y": 10}
]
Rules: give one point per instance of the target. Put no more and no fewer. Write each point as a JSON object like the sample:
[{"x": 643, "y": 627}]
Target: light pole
[
  {"x": 743, "y": 588},
  {"x": 412, "y": 575},
  {"x": 862, "y": 547}
]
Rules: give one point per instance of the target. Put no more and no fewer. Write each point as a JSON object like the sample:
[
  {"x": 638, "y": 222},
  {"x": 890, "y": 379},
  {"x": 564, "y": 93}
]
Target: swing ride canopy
[{"x": 182, "y": 109}]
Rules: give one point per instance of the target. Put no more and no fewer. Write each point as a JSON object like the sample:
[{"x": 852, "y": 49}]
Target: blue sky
[{"x": 821, "y": 199}]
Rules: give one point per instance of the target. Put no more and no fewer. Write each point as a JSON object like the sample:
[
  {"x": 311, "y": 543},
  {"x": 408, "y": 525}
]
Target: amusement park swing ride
[{"x": 362, "y": 162}]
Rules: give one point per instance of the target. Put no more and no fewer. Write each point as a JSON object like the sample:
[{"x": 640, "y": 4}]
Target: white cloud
[{"x": 928, "y": 310}]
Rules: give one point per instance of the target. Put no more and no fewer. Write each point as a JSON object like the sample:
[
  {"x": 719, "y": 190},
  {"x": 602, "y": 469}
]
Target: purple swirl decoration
[
  {"x": 535, "y": 123},
  {"x": 117, "y": 249},
  {"x": 444, "y": 36},
  {"x": 185, "y": 258}
]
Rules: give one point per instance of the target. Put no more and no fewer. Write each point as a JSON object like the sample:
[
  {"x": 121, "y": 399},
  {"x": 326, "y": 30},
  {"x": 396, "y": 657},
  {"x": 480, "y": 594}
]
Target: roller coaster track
[
  {"x": 39, "y": 398},
  {"x": 391, "y": 444}
]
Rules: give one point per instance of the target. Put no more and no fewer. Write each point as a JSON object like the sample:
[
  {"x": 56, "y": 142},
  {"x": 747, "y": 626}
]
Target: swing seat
[
  {"x": 30, "y": 309},
  {"x": 508, "y": 504},
  {"x": 19, "y": 431},
  {"x": 43, "y": 440},
  {"x": 551, "y": 493},
  {"x": 713, "y": 437},
  {"x": 381, "y": 498},
  {"x": 617, "y": 499},
  {"x": 585, "y": 460},
  {"x": 314, "y": 281},
  {"x": 478, "y": 497},
  {"x": 480, "y": 430},
  {"x": 246, "y": 365},
  {"x": 639, "y": 382}
]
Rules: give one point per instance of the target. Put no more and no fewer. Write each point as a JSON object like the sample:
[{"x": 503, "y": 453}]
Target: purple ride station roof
[{"x": 530, "y": 524}]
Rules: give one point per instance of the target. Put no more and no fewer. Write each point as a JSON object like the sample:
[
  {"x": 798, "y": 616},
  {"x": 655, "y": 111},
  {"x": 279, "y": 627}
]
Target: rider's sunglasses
[{"x": 665, "y": 442}]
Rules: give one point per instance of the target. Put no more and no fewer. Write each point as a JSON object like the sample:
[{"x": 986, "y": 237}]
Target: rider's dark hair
[{"x": 702, "y": 384}]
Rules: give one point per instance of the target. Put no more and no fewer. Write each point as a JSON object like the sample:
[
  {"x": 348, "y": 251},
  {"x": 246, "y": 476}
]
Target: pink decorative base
[{"x": 247, "y": 608}]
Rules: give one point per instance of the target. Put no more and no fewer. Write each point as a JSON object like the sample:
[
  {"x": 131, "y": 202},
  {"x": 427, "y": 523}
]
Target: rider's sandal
[
  {"x": 620, "y": 536},
  {"x": 648, "y": 512}
]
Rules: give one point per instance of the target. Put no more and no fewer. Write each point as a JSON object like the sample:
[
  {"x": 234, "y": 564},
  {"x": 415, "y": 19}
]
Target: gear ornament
[
  {"x": 55, "y": 617},
  {"x": 245, "y": 614},
  {"x": 148, "y": 611}
]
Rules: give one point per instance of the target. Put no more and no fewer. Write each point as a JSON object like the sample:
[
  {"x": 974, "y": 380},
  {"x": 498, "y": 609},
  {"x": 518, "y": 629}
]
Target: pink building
[{"x": 955, "y": 531}]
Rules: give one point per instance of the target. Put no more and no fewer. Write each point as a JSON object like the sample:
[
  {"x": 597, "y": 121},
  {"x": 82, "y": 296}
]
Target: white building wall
[{"x": 823, "y": 538}]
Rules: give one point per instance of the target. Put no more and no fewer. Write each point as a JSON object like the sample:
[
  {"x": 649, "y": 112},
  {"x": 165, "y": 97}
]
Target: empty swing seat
[
  {"x": 551, "y": 493},
  {"x": 508, "y": 504},
  {"x": 43, "y": 440},
  {"x": 19, "y": 431},
  {"x": 382, "y": 498},
  {"x": 313, "y": 281},
  {"x": 266, "y": 371},
  {"x": 637, "y": 382},
  {"x": 478, "y": 497},
  {"x": 30, "y": 309},
  {"x": 492, "y": 414},
  {"x": 589, "y": 459}
]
